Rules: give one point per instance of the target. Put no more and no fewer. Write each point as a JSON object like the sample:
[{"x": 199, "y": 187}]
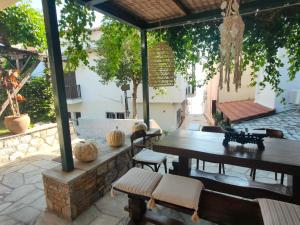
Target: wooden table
[{"x": 280, "y": 155}]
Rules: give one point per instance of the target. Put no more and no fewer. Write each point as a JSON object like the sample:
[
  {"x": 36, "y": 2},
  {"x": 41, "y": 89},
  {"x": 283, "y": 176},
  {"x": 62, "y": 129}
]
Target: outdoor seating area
[{"x": 235, "y": 163}]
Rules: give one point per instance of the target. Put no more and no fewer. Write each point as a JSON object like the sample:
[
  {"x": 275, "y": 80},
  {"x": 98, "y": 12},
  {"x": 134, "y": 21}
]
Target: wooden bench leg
[
  {"x": 137, "y": 209},
  {"x": 166, "y": 167}
]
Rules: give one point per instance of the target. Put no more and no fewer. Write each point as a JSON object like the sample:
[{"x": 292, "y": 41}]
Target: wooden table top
[{"x": 280, "y": 155}]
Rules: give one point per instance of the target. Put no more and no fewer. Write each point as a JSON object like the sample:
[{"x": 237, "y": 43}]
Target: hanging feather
[{"x": 231, "y": 32}]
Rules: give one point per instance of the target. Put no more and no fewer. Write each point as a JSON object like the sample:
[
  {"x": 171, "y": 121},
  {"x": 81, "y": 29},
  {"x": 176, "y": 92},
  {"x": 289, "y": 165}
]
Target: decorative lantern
[
  {"x": 86, "y": 151},
  {"x": 161, "y": 65},
  {"x": 139, "y": 126},
  {"x": 115, "y": 138},
  {"x": 231, "y": 31}
]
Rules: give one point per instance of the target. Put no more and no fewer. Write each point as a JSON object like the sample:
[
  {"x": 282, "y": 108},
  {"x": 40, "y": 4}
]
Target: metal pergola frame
[{"x": 109, "y": 8}]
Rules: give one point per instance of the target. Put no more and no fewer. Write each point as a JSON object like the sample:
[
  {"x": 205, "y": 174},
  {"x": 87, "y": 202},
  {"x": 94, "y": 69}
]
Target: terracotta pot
[{"x": 17, "y": 124}]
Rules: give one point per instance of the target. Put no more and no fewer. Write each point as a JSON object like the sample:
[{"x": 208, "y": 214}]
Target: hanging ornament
[
  {"x": 161, "y": 65},
  {"x": 231, "y": 31}
]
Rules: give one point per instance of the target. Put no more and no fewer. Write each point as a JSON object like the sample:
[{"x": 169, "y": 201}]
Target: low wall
[
  {"x": 68, "y": 194},
  {"x": 43, "y": 139},
  {"x": 93, "y": 128}
]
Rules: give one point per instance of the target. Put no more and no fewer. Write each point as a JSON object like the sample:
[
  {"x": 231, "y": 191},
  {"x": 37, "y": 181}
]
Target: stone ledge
[{"x": 68, "y": 194}]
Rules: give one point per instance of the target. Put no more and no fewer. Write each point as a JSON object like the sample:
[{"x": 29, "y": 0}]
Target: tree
[
  {"x": 119, "y": 57},
  {"x": 75, "y": 30},
  {"x": 264, "y": 34},
  {"x": 23, "y": 25},
  {"x": 39, "y": 100}
]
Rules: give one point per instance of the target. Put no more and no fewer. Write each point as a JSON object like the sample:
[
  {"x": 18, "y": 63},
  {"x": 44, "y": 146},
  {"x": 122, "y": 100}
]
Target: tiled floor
[
  {"x": 21, "y": 190},
  {"x": 22, "y": 199},
  {"x": 288, "y": 122}
]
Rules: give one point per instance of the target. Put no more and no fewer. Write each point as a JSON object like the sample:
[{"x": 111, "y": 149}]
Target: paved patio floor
[
  {"x": 288, "y": 122},
  {"x": 22, "y": 200}
]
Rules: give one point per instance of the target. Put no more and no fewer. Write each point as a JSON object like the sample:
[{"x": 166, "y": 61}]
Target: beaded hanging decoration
[{"x": 231, "y": 31}]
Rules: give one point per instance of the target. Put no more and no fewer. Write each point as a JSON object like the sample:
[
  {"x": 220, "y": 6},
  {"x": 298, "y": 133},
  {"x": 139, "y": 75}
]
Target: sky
[{"x": 37, "y": 4}]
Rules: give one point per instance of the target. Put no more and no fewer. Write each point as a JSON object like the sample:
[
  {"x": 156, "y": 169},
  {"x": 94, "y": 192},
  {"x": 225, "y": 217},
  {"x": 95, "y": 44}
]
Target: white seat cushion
[
  {"x": 138, "y": 181},
  {"x": 279, "y": 213},
  {"x": 178, "y": 190},
  {"x": 149, "y": 156}
]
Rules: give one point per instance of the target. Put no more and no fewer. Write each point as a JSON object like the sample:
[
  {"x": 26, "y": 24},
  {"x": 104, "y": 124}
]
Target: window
[
  {"x": 110, "y": 115},
  {"x": 120, "y": 115},
  {"x": 77, "y": 116},
  {"x": 115, "y": 115}
]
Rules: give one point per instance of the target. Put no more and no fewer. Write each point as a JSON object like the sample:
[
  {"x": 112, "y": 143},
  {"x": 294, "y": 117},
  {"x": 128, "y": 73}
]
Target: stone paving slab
[
  {"x": 28, "y": 200},
  {"x": 288, "y": 122}
]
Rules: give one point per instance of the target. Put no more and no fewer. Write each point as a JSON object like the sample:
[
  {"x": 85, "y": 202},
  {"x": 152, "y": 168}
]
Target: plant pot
[{"x": 17, "y": 124}]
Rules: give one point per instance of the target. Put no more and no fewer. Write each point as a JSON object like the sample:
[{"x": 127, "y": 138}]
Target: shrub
[{"x": 39, "y": 102}]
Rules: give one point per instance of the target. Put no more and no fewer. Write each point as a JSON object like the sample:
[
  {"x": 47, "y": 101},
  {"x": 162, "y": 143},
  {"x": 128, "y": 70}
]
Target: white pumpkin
[
  {"x": 115, "y": 138},
  {"x": 86, "y": 151},
  {"x": 139, "y": 126}
]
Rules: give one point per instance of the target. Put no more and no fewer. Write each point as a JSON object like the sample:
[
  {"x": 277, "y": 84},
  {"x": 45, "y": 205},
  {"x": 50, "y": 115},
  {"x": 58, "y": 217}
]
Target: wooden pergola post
[
  {"x": 57, "y": 75},
  {"x": 144, "y": 55}
]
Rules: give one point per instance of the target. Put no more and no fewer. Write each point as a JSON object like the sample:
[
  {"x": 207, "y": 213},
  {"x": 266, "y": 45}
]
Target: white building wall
[
  {"x": 175, "y": 94},
  {"x": 267, "y": 96},
  {"x": 97, "y": 99},
  {"x": 165, "y": 114}
]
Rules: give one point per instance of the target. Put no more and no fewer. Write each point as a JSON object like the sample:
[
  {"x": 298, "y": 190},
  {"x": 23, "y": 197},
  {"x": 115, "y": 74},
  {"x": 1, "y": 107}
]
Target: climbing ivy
[{"x": 265, "y": 33}]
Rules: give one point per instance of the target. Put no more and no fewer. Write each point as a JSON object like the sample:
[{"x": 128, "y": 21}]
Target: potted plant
[{"x": 16, "y": 123}]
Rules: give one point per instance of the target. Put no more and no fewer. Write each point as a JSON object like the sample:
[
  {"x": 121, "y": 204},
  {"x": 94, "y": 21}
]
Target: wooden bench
[
  {"x": 243, "y": 187},
  {"x": 213, "y": 206}
]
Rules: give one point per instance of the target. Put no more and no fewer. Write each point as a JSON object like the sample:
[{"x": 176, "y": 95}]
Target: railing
[{"x": 73, "y": 91}]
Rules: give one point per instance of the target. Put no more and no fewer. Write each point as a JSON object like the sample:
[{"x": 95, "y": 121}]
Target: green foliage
[
  {"x": 75, "y": 30},
  {"x": 24, "y": 25},
  {"x": 264, "y": 34},
  {"x": 118, "y": 51},
  {"x": 39, "y": 100}
]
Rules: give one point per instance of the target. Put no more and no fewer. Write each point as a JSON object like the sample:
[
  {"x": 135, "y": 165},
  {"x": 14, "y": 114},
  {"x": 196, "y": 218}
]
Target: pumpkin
[
  {"x": 115, "y": 138},
  {"x": 86, "y": 151},
  {"x": 139, "y": 126}
]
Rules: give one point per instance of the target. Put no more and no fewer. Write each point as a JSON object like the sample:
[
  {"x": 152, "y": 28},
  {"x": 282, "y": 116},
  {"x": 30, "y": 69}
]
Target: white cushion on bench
[
  {"x": 279, "y": 213},
  {"x": 138, "y": 181},
  {"x": 149, "y": 156},
  {"x": 178, "y": 190}
]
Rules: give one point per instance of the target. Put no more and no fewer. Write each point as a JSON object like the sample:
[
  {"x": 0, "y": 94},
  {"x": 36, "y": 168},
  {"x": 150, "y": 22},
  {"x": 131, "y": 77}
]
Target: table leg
[
  {"x": 296, "y": 189},
  {"x": 184, "y": 167}
]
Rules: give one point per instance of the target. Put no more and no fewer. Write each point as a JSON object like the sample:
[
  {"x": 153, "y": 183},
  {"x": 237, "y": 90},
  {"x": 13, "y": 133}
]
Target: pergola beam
[
  {"x": 58, "y": 83},
  {"x": 96, "y": 2},
  {"x": 144, "y": 55},
  {"x": 114, "y": 11},
  {"x": 215, "y": 14},
  {"x": 182, "y": 6}
]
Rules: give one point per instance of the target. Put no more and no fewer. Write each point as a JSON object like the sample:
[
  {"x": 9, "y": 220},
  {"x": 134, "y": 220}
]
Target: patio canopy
[
  {"x": 6, "y": 3},
  {"x": 145, "y": 15},
  {"x": 154, "y": 14}
]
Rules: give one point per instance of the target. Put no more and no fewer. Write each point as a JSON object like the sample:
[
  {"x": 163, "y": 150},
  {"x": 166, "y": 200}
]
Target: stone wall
[
  {"x": 69, "y": 194},
  {"x": 43, "y": 139}
]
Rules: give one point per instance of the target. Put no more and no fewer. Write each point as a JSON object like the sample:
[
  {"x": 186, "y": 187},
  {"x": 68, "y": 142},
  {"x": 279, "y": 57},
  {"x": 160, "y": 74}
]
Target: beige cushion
[
  {"x": 178, "y": 190},
  {"x": 149, "y": 156},
  {"x": 279, "y": 213},
  {"x": 138, "y": 181}
]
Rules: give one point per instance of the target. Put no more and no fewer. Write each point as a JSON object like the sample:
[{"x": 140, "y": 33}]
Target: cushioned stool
[
  {"x": 137, "y": 181},
  {"x": 279, "y": 213},
  {"x": 180, "y": 191}
]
